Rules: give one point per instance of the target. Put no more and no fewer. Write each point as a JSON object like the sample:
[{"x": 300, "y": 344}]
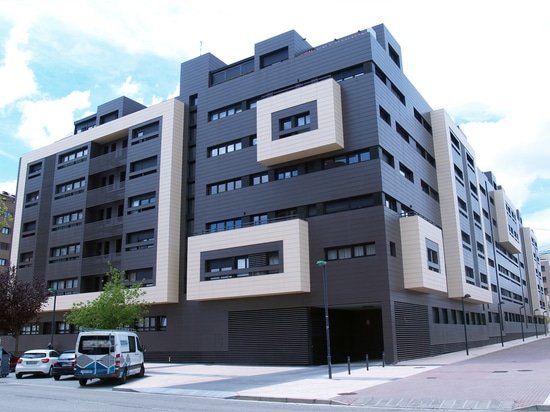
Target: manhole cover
[
  {"x": 347, "y": 393},
  {"x": 525, "y": 370},
  {"x": 500, "y": 371}
]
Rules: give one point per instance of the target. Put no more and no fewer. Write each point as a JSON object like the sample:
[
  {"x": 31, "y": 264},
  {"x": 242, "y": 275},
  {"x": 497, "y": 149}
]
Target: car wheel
[
  {"x": 122, "y": 379},
  {"x": 141, "y": 371},
  {"x": 82, "y": 382},
  {"x": 56, "y": 377},
  {"x": 50, "y": 372},
  {"x": 18, "y": 375}
]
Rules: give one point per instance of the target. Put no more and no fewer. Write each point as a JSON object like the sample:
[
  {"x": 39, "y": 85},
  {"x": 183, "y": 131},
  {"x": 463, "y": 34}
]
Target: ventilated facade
[{"x": 225, "y": 198}]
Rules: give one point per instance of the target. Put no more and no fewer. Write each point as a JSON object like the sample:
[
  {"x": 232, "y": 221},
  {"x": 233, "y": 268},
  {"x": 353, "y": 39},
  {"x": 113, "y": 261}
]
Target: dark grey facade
[{"x": 294, "y": 155}]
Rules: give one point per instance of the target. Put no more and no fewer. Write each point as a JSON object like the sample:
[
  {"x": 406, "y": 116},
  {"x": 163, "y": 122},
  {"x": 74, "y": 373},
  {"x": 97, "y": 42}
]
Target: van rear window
[{"x": 96, "y": 344}]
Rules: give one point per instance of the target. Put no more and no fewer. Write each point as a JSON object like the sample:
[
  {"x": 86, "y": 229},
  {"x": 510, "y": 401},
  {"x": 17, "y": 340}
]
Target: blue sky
[{"x": 483, "y": 61}]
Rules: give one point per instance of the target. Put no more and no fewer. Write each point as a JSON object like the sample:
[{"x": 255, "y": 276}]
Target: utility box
[{"x": 4, "y": 363}]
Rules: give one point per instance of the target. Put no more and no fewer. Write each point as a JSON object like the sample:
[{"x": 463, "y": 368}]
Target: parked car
[
  {"x": 64, "y": 365},
  {"x": 36, "y": 361}
]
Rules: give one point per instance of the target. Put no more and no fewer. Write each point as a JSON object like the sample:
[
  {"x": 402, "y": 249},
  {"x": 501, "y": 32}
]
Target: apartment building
[
  {"x": 234, "y": 200},
  {"x": 6, "y": 232}
]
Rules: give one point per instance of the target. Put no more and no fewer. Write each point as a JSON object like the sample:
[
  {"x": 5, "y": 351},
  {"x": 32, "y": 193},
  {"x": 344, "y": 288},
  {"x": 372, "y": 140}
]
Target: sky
[{"x": 484, "y": 61}]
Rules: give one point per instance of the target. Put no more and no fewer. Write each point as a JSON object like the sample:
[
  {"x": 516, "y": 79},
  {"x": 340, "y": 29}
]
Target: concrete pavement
[{"x": 516, "y": 376}]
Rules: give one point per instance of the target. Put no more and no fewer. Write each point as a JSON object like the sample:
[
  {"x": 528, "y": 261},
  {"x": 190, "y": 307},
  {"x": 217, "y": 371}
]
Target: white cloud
[
  {"x": 16, "y": 78},
  {"x": 540, "y": 223},
  {"x": 8, "y": 187},
  {"x": 130, "y": 90},
  {"x": 43, "y": 122}
]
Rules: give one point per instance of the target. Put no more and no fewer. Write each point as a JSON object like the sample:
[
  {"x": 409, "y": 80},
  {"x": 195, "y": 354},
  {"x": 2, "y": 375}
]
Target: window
[
  {"x": 225, "y": 148},
  {"x": 64, "y": 286},
  {"x": 260, "y": 219},
  {"x": 30, "y": 330},
  {"x": 351, "y": 252},
  {"x": 143, "y": 167},
  {"x": 225, "y": 225},
  {"x": 143, "y": 276},
  {"x": 226, "y": 74},
  {"x": 145, "y": 133},
  {"x": 67, "y": 220},
  {"x": 32, "y": 197},
  {"x": 384, "y": 115},
  {"x": 406, "y": 172},
  {"x": 5, "y": 230},
  {"x": 393, "y": 250},
  {"x": 286, "y": 173},
  {"x": 75, "y": 156},
  {"x": 251, "y": 264},
  {"x": 65, "y": 253},
  {"x": 25, "y": 259},
  {"x": 274, "y": 57},
  {"x": 3, "y": 262},
  {"x": 144, "y": 236},
  {"x": 70, "y": 188},
  {"x": 225, "y": 112},
  {"x": 259, "y": 179},
  {"x": 224, "y": 186},
  {"x": 141, "y": 203},
  {"x": 433, "y": 255}
]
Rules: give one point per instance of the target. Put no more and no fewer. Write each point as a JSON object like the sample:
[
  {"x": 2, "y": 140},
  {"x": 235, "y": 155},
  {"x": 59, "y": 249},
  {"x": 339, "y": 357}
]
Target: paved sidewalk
[{"x": 491, "y": 378}]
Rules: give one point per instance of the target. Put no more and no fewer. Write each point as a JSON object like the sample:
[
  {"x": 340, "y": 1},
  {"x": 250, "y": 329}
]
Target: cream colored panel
[
  {"x": 532, "y": 268},
  {"x": 295, "y": 276},
  {"x": 504, "y": 221},
  {"x": 452, "y": 236},
  {"x": 169, "y": 194},
  {"x": 417, "y": 275},
  {"x": 329, "y": 135}
]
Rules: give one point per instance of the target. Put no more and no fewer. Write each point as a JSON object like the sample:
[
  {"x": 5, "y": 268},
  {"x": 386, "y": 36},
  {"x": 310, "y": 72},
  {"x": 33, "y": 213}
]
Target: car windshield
[
  {"x": 34, "y": 355},
  {"x": 96, "y": 344}
]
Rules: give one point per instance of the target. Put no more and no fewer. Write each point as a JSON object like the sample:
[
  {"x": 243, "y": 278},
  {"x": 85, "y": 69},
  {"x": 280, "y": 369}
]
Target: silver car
[{"x": 36, "y": 361}]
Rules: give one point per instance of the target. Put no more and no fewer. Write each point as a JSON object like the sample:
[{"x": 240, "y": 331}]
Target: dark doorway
[{"x": 353, "y": 333}]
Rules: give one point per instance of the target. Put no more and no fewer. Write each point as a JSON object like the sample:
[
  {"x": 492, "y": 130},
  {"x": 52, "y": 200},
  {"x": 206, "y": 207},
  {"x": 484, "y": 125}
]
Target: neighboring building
[
  {"x": 6, "y": 232},
  {"x": 225, "y": 199}
]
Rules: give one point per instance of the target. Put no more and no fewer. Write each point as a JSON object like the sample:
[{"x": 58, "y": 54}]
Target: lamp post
[
  {"x": 323, "y": 263},
  {"x": 500, "y": 323},
  {"x": 54, "y": 292},
  {"x": 545, "y": 325},
  {"x": 536, "y": 321},
  {"x": 521, "y": 322},
  {"x": 466, "y": 296}
]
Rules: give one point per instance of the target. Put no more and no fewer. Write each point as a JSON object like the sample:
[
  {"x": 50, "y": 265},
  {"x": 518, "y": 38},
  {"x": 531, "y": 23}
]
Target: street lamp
[
  {"x": 466, "y": 296},
  {"x": 54, "y": 292},
  {"x": 521, "y": 322},
  {"x": 500, "y": 323},
  {"x": 545, "y": 325},
  {"x": 536, "y": 321},
  {"x": 323, "y": 263}
]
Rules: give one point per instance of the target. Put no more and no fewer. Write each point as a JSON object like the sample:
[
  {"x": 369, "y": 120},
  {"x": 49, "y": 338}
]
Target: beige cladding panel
[
  {"x": 327, "y": 137},
  {"x": 417, "y": 275},
  {"x": 295, "y": 276},
  {"x": 169, "y": 197}
]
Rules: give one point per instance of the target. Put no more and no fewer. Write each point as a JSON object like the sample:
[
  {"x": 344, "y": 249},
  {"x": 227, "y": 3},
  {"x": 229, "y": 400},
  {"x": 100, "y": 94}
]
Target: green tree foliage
[
  {"x": 20, "y": 303},
  {"x": 117, "y": 306}
]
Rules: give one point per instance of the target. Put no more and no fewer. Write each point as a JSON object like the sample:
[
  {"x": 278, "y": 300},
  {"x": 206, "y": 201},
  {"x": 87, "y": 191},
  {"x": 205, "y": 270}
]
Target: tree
[
  {"x": 20, "y": 303},
  {"x": 117, "y": 306}
]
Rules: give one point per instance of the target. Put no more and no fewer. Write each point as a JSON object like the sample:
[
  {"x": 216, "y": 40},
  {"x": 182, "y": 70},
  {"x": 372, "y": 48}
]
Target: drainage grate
[
  {"x": 500, "y": 371},
  {"x": 347, "y": 393}
]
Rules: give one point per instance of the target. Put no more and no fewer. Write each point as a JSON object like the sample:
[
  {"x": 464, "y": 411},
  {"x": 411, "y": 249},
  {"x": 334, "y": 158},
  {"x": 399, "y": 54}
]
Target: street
[{"x": 32, "y": 394}]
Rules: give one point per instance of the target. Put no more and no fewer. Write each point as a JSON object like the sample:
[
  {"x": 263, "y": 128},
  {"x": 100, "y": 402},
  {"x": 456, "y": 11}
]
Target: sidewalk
[{"x": 490, "y": 378}]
